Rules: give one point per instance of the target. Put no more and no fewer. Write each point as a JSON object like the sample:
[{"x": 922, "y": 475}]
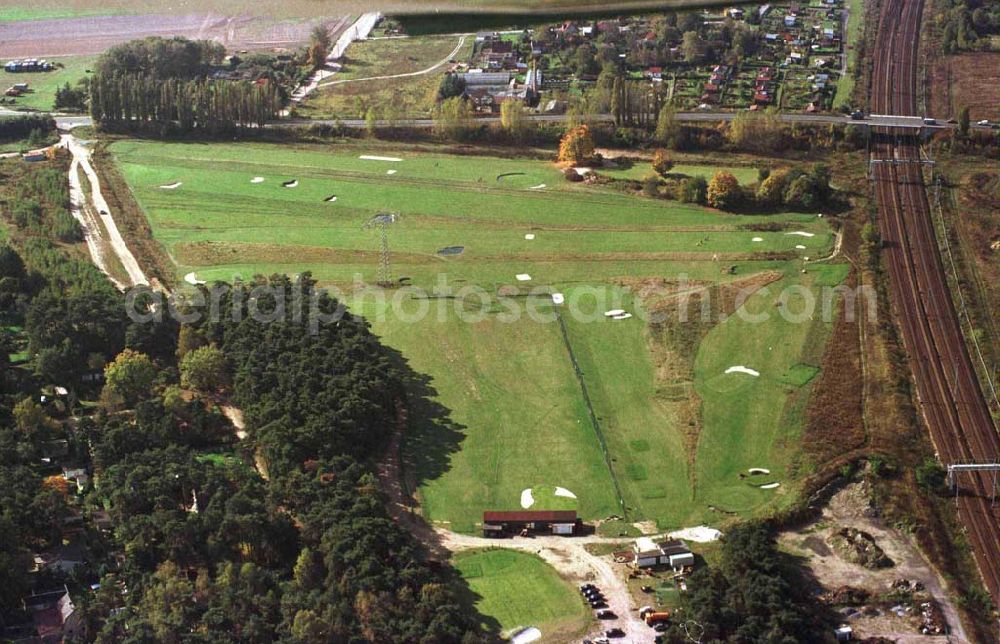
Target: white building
[{"x": 673, "y": 553}]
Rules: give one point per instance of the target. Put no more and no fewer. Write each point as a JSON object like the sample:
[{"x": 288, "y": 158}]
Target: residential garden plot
[
  {"x": 520, "y": 590},
  {"x": 43, "y": 85},
  {"x": 502, "y": 410},
  {"x": 402, "y": 96}
]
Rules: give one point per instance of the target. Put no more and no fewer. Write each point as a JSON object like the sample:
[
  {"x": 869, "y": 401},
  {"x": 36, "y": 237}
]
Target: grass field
[
  {"x": 43, "y": 85},
  {"x": 520, "y": 590},
  {"x": 408, "y": 96},
  {"x": 855, "y": 20},
  {"x": 503, "y": 409},
  {"x": 11, "y": 14}
]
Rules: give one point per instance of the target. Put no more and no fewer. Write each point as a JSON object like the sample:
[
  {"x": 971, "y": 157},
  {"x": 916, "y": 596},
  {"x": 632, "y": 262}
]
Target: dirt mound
[
  {"x": 858, "y": 547},
  {"x": 846, "y": 596}
]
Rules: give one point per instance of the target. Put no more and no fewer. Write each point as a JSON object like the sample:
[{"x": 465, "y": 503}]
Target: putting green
[{"x": 519, "y": 590}]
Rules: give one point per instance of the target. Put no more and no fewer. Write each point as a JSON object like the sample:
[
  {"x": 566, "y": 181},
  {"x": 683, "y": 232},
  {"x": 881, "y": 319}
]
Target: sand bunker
[
  {"x": 538, "y": 187},
  {"x": 369, "y": 157},
  {"x": 193, "y": 280},
  {"x": 583, "y": 170},
  {"x": 699, "y": 534},
  {"x": 527, "y": 500},
  {"x": 527, "y": 636},
  {"x": 172, "y": 186},
  {"x": 759, "y": 470},
  {"x": 331, "y": 199},
  {"x": 613, "y": 312},
  {"x": 622, "y": 316},
  {"x": 523, "y": 277},
  {"x": 769, "y": 486},
  {"x": 451, "y": 250},
  {"x": 391, "y": 171},
  {"x": 290, "y": 184},
  {"x": 800, "y": 247},
  {"x": 741, "y": 369},
  {"x": 558, "y": 298},
  {"x": 561, "y": 491},
  {"x": 529, "y": 236},
  {"x": 257, "y": 180},
  {"x": 801, "y": 234},
  {"x": 757, "y": 239}
]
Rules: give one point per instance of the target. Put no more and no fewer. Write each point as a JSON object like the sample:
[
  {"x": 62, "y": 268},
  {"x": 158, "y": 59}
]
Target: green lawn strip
[
  {"x": 845, "y": 86},
  {"x": 14, "y": 14},
  {"x": 762, "y": 415},
  {"x": 517, "y": 419},
  {"x": 43, "y": 85},
  {"x": 638, "y": 420},
  {"x": 519, "y": 590}
]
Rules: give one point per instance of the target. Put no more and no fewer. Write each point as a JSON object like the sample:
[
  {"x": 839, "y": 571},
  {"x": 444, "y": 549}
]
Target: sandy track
[
  {"x": 92, "y": 35},
  {"x": 88, "y": 222},
  {"x": 81, "y": 160}
]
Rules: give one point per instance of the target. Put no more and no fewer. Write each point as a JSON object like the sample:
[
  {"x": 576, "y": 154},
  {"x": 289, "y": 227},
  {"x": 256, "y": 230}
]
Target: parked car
[
  {"x": 598, "y": 603},
  {"x": 586, "y": 587},
  {"x": 614, "y": 632},
  {"x": 647, "y": 589},
  {"x": 983, "y": 122},
  {"x": 857, "y": 115},
  {"x": 930, "y": 121},
  {"x": 606, "y": 614}
]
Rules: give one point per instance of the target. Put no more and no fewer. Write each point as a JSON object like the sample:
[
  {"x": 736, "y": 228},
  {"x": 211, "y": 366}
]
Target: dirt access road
[
  {"x": 88, "y": 36},
  {"x": 94, "y": 215}
]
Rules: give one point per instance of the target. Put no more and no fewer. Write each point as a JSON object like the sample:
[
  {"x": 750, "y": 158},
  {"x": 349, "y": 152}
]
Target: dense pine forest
[{"x": 189, "y": 533}]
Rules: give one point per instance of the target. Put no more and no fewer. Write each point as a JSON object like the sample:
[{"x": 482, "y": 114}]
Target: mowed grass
[
  {"x": 407, "y": 96},
  {"x": 12, "y": 14},
  {"x": 516, "y": 417},
  {"x": 221, "y": 224},
  {"x": 760, "y": 414},
  {"x": 43, "y": 85},
  {"x": 519, "y": 590},
  {"x": 502, "y": 408}
]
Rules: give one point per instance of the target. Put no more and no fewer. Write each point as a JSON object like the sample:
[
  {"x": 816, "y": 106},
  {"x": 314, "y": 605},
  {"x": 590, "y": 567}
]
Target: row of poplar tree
[{"x": 196, "y": 103}]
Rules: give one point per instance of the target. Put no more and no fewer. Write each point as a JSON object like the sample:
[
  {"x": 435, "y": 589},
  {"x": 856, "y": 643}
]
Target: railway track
[{"x": 949, "y": 396}]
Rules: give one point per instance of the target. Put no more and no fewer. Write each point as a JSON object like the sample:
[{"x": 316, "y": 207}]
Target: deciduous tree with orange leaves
[{"x": 576, "y": 146}]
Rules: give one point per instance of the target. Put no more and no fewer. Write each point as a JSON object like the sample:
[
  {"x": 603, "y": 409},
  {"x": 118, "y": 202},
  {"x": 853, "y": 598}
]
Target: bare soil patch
[
  {"x": 867, "y": 596},
  {"x": 968, "y": 79},
  {"x": 94, "y": 34}
]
